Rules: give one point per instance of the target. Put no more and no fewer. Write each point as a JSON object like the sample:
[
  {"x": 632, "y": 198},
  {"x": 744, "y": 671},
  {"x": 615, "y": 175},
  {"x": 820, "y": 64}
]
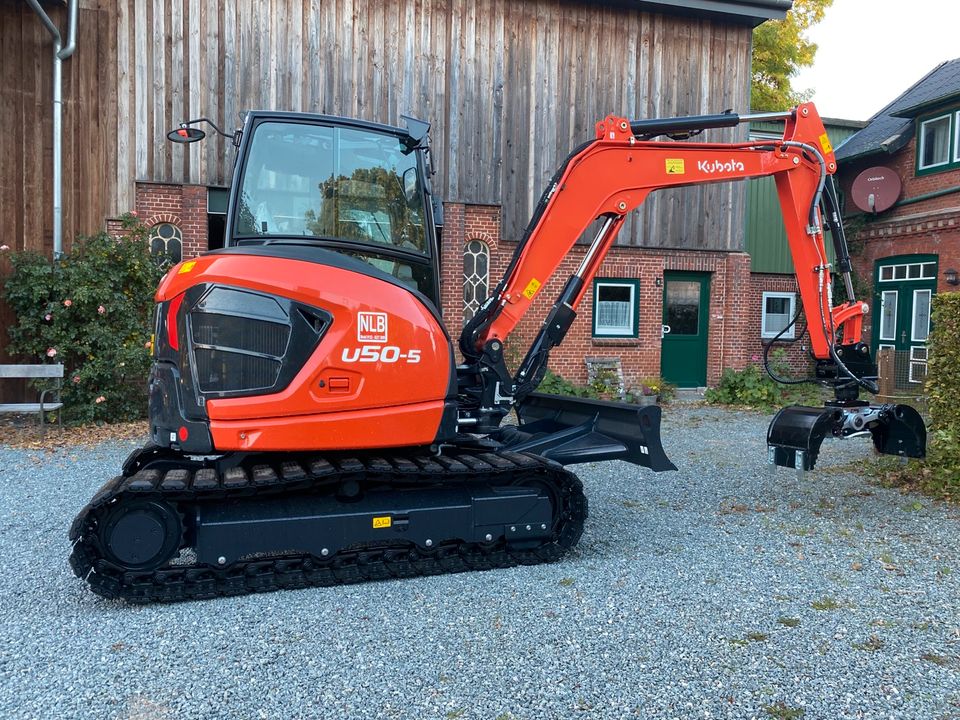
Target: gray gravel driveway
[{"x": 725, "y": 590}]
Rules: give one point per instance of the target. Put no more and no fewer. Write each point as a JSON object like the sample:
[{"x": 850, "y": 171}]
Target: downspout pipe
[{"x": 60, "y": 53}]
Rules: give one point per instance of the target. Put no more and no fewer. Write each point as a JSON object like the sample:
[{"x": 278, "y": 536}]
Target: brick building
[{"x": 905, "y": 207}]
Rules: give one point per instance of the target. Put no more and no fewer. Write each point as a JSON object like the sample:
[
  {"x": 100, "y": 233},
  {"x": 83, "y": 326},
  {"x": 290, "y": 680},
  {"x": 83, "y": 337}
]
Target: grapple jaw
[
  {"x": 796, "y": 432},
  {"x": 571, "y": 430}
]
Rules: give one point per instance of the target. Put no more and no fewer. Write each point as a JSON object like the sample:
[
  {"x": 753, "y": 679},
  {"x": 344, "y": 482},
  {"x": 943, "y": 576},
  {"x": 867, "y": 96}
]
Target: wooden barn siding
[
  {"x": 89, "y": 124},
  {"x": 511, "y": 88}
]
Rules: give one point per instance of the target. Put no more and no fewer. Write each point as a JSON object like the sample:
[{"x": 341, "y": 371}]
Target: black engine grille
[
  {"x": 227, "y": 331},
  {"x": 235, "y": 354},
  {"x": 243, "y": 342},
  {"x": 225, "y": 371}
]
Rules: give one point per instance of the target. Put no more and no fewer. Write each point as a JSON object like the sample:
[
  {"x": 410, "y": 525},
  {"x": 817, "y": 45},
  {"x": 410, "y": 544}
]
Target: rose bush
[{"x": 91, "y": 310}]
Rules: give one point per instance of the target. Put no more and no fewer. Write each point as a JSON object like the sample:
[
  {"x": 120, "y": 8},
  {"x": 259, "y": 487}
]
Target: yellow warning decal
[
  {"x": 382, "y": 522},
  {"x": 186, "y": 267},
  {"x": 825, "y": 143},
  {"x": 532, "y": 288},
  {"x": 675, "y": 166}
]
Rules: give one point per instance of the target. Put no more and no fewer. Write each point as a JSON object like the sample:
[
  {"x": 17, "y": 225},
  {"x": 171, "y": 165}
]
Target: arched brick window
[
  {"x": 167, "y": 239},
  {"x": 476, "y": 276}
]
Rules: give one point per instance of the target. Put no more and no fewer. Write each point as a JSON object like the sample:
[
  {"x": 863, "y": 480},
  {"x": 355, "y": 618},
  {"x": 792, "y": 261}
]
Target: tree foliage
[{"x": 780, "y": 50}]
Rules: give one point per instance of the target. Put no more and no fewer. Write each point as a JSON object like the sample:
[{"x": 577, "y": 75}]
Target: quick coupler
[{"x": 796, "y": 432}]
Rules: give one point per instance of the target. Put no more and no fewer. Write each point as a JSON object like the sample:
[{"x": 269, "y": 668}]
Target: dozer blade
[
  {"x": 571, "y": 430},
  {"x": 796, "y": 432}
]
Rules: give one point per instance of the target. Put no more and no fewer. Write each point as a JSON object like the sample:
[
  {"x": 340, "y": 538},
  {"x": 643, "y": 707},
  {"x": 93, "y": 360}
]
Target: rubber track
[{"x": 281, "y": 475}]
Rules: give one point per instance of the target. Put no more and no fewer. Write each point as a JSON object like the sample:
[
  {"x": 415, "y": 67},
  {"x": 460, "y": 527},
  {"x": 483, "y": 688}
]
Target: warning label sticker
[
  {"x": 531, "y": 288},
  {"x": 675, "y": 166},
  {"x": 825, "y": 143},
  {"x": 382, "y": 522}
]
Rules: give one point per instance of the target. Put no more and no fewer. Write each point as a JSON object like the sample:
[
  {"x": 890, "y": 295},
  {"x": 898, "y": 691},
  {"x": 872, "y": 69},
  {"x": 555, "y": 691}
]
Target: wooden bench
[{"x": 33, "y": 372}]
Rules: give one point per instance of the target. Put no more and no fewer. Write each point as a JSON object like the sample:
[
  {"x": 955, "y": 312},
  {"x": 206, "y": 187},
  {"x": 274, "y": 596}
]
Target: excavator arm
[{"x": 606, "y": 179}]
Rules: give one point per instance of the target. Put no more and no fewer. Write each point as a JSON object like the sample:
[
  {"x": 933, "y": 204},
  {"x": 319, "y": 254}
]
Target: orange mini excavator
[{"x": 310, "y": 423}]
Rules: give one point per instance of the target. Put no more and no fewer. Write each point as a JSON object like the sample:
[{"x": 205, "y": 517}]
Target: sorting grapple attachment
[
  {"x": 570, "y": 430},
  {"x": 796, "y": 432}
]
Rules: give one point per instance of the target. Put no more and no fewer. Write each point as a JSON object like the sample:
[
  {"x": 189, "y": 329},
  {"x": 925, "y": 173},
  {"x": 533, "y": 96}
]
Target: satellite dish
[{"x": 876, "y": 189}]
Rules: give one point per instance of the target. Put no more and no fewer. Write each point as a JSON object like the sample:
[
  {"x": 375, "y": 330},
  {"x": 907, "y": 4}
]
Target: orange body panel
[{"x": 378, "y": 377}]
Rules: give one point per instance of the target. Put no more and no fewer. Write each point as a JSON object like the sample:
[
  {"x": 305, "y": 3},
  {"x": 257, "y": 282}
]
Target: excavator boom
[{"x": 605, "y": 180}]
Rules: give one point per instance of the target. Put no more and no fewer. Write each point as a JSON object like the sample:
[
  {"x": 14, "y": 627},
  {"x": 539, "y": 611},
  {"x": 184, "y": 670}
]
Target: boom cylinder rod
[{"x": 595, "y": 246}]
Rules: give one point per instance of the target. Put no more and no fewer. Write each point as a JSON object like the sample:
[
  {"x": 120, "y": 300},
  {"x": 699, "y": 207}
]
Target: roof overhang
[
  {"x": 745, "y": 12},
  {"x": 928, "y": 106}
]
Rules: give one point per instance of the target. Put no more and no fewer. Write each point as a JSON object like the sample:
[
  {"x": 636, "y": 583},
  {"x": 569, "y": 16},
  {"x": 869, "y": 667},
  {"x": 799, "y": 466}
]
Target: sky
[{"x": 870, "y": 51}]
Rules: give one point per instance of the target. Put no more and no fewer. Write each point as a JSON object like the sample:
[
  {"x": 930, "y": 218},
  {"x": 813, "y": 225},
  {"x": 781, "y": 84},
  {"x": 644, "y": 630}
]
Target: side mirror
[{"x": 184, "y": 135}]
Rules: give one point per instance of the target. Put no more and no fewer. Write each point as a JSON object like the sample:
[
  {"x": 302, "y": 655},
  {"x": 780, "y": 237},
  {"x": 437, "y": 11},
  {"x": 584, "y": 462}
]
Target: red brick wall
[
  {"x": 735, "y": 300},
  {"x": 798, "y": 355},
  {"x": 182, "y": 205}
]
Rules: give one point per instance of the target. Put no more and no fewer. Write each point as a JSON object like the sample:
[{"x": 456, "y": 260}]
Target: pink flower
[
  {"x": 4, "y": 248},
  {"x": 101, "y": 309},
  {"x": 754, "y": 357},
  {"x": 148, "y": 345},
  {"x": 68, "y": 302},
  {"x": 134, "y": 213},
  {"x": 100, "y": 400},
  {"x": 76, "y": 378},
  {"x": 48, "y": 317},
  {"x": 51, "y": 352}
]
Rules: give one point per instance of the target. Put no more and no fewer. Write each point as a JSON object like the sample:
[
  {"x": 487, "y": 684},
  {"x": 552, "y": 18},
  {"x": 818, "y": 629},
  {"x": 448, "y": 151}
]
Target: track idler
[{"x": 796, "y": 432}]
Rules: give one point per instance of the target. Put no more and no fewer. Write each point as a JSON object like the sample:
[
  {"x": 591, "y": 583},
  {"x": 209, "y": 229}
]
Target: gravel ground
[{"x": 725, "y": 590}]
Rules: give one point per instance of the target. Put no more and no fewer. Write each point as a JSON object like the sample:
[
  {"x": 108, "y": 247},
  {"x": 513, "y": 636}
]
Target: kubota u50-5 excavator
[{"x": 310, "y": 423}]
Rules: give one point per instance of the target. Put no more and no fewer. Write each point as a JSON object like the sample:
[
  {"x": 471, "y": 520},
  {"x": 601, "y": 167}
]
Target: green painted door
[
  {"x": 686, "y": 316},
  {"x": 904, "y": 287}
]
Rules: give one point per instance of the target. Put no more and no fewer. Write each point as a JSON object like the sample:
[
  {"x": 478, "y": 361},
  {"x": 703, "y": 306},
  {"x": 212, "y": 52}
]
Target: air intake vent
[
  {"x": 244, "y": 342},
  {"x": 247, "y": 334},
  {"x": 224, "y": 371}
]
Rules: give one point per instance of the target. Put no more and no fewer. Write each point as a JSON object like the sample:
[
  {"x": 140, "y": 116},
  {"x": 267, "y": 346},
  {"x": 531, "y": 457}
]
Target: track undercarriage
[{"x": 171, "y": 528}]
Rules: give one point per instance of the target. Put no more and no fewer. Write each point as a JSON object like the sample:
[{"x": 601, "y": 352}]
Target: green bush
[
  {"x": 942, "y": 474},
  {"x": 92, "y": 311},
  {"x": 753, "y": 387},
  {"x": 554, "y": 384}
]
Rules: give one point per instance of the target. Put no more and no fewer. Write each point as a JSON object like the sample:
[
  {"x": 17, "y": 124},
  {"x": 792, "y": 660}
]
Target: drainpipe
[{"x": 60, "y": 54}]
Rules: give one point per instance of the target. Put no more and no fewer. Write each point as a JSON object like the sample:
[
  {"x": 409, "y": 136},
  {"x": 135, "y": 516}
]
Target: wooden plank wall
[{"x": 510, "y": 86}]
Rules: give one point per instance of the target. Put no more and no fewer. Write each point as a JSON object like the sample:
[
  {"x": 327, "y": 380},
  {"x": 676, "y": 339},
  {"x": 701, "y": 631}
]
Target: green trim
[
  {"x": 953, "y": 162},
  {"x": 636, "y": 308}
]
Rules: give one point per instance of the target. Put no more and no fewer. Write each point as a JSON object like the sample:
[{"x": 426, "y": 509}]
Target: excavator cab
[{"x": 357, "y": 188}]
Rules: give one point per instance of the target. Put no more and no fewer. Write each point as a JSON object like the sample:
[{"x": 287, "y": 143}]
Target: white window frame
[
  {"x": 599, "y": 332},
  {"x": 789, "y": 334},
  {"x": 920, "y": 165},
  {"x": 918, "y": 366},
  {"x": 913, "y": 319},
  {"x": 896, "y": 309},
  {"x": 956, "y": 137}
]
